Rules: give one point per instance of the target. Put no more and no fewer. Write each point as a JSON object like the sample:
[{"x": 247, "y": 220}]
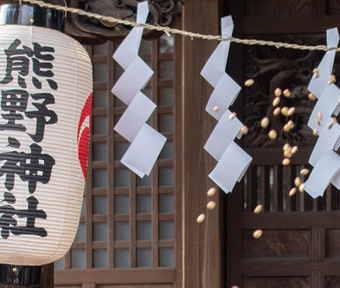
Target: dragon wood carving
[
  {"x": 91, "y": 31},
  {"x": 86, "y": 29},
  {"x": 283, "y": 68}
]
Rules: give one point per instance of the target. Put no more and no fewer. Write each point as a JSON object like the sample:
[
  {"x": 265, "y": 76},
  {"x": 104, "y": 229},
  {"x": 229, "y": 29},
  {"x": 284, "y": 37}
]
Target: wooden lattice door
[
  {"x": 300, "y": 246},
  {"x": 129, "y": 232}
]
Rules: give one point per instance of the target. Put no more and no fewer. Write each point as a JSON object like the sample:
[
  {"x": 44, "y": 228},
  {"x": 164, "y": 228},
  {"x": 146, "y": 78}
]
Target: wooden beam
[
  {"x": 128, "y": 276},
  {"x": 89, "y": 285},
  {"x": 202, "y": 242},
  {"x": 47, "y": 276},
  {"x": 287, "y": 25},
  {"x": 289, "y": 220}
]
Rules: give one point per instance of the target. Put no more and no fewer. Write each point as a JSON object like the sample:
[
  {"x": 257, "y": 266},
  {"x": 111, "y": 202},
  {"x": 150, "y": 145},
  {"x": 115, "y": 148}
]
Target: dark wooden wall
[{"x": 299, "y": 246}]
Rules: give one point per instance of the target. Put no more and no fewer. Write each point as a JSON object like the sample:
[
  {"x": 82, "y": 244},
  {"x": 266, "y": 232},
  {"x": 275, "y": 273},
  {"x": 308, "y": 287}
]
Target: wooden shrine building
[{"x": 143, "y": 232}]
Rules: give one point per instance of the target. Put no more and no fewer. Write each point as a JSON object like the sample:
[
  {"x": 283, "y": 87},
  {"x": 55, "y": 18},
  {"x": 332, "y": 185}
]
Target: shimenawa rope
[{"x": 169, "y": 30}]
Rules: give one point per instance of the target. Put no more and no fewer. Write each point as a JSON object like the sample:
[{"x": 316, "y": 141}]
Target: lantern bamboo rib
[{"x": 192, "y": 35}]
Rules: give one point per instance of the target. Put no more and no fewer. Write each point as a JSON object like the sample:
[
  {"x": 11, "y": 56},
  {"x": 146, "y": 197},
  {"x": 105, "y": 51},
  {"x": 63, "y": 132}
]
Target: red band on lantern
[{"x": 84, "y": 129}]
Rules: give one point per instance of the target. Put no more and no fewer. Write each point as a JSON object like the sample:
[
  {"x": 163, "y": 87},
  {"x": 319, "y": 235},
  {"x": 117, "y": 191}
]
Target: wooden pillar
[
  {"x": 47, "y": 276},
  {"x": 202, "y": 245}
]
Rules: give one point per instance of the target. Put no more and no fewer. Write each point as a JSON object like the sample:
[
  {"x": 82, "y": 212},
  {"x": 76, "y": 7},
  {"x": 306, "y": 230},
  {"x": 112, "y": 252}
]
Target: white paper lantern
[{"x": 45, "y": 115}]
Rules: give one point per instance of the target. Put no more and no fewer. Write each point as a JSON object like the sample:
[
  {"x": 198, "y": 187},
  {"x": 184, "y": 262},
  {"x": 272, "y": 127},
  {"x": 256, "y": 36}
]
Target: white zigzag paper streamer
[
  {"x": 232, "y": 160},
  {"x": 324, "y": 159},
  {"x": 146, "y": 142}
]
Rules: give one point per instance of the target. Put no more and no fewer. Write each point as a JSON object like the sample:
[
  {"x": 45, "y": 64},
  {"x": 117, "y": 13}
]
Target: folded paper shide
[
  {"x": 325, "y": 160},
  {"x": 146, "y": 142},
  {"x": 45, "y": 117},
  {"x": 232, "y": 160}
]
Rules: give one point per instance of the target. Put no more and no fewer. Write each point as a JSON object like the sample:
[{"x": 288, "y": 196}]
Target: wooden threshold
[{"x": 116, "y": 276}]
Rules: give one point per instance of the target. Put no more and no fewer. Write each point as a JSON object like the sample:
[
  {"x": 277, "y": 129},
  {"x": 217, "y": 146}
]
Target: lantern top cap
[{"x": 31, "y": 15}]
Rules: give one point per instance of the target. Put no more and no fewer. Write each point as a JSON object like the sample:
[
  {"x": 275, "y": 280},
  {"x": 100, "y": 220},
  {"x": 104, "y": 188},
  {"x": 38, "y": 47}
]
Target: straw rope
[{"x": 169, "y": 30}]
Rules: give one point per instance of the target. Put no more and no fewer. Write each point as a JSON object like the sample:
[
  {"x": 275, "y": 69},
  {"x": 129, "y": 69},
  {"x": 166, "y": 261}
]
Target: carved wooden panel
[
  {"x": 277, "y": 282},
  {"x": 278, "y": 8},
  {"x": 333, "y": 7},
  {"x": 284, "y": 68},
  {"x": 88, "y": 30},
  {"x": 277, "y": 244},
  {"x": 91, "y": 31}
]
